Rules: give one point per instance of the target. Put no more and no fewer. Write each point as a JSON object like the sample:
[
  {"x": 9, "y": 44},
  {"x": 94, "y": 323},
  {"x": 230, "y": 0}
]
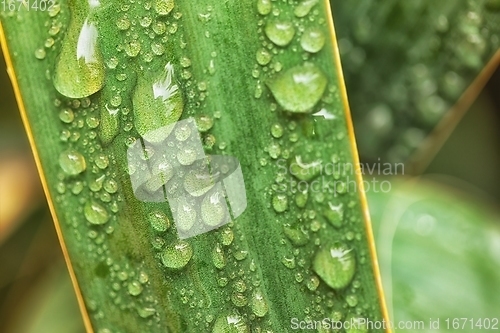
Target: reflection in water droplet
[
  {"x": 157, "y": 103},
  {"x": 299, "y": 88},
  {"x": 335, "y": 265},
  {"x": 177, "y": 255},
  {"x": 279, "y": 32},
  {"x": 72, "y": 162}
]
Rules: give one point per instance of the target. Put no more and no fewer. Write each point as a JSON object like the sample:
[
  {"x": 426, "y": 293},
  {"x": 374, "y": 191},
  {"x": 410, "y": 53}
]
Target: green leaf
[{"x": 184, "y": 226}]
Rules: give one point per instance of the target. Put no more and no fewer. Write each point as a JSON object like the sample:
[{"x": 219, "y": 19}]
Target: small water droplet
[
  {"x": 259, "y": 304},
  {"x": 159, "y": 221},
  {"x": 40, "y": 53},
  {"x": 226, "y": 237},
  {"x": 213, "y": 209},
  {"x": 296, "y": 236},
  {"x": 72, "y": 162},
  {"x": 277, "y": 130},
  {"x": 232, "y": 323},
  {"x": 335, "y": 265},
  {"x": 177, "y": 255},
  {"x": 312, "y": 283},
  {"x": 133, "y": 48},
  {"x": 163, "y": 7},
  {"x": 263, "y": 57},
  {"x": 239, "y": 299},
  {"x": 146, "y": 312},
  {"x": 264, "y": 7},
  {"x": 95, "y": 213},
  {"x": 204, "y": 123},
  {"x": 312, "y": 40},
  {"x": 280, "y": 32},
  {"x": 66, "y": 115},
  {"x": 280, "y": 203},
  {"x": 134, "y": 288},
  {"x": 218, "y": 257},
  {"x": 304, "y": 7},
  {"x": 335, "y": 214},
  {"x": 288, "y": 262},
  {"x": 299, "y": 88}
]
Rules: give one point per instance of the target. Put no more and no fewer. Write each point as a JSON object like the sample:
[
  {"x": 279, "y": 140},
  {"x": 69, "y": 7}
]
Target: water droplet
[
  {"x": 204, "y": 123},
  {"x": 226, "y": 237},
  {"x": 335, "y": 214},
  {"x": 280, "y": 203},
  {"x": 277, "y": 130},
  {"x": 177, "y": 255},
  {"x": 101, "y": 161},
  {"x": 66, "y": 116},
  {"x": 79, "y": 70},
  {"x": 134, "y": 288},
  {"x": 213, "y": 209},
  {"x": 159, "y": 221},
  {"x": 72, "y": 162},
  {"x": 312, "y": 283},
  {"x": 95, "y": 213},
  {"x": 263, "y": 57},
  {"x": 239, "y": 299},
  {"x": 197, "y": 183},
  {"x": 163, "y": 7},
  {"x": 146, "y": 312},
  {"x": 301, "y": 199},
  {"x": 312, "y": 40},
  {"x": 133, "y": 48},
  {"x": 232, "y": 323},
  {"x": 40, "y": 53},
  {"x": 299, "y": 88},
  {"x": 186, "y": 215},
  {"x": 240, "y": 255},
  {"x": 264, "y": 7},
  {"x": 109, "y": 124},
  {"x": 304, "y": 7},
  {"x": 157, "y": 103},
  {"x": 296, "y": 236},
  {"x": 123, "y": 23},
  {"x": 186, "y": 156},
  {"x": 288, "y": 262},
  {"x": 218, "y": 257},
  {"x": 279, "y": 32},
  {"x": 351, "y": 300},
  {"x": 335, "y": 265},
  {"x": 259, "y": 304}
]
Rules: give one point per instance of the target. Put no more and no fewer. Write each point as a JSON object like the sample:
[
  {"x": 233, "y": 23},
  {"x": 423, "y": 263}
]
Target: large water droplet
[
  {"x": 95, "y": 213},
  {"x": 259, "y": 304},
  {"x": 312, "y": 40},
  {"x": 299, "y": 88},
  {"x": 232, "y": 323},
  {"x": 72, "y": 162},
  {"x": 177, "y": 255},
  {"x": 335, "y": 265},
  {"x": 79, "y": 70},
  {"x": 279, "y": 32},
  {"x": 157, "y": 104}
]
